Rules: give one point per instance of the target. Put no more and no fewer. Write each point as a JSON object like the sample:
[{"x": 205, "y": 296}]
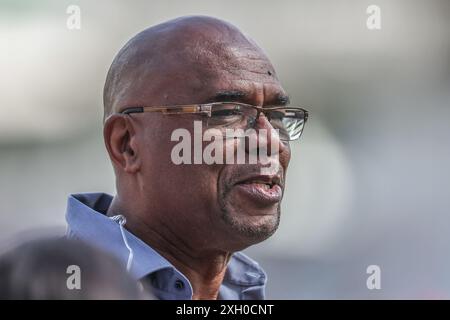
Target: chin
[{"x": 253, "y": 227}]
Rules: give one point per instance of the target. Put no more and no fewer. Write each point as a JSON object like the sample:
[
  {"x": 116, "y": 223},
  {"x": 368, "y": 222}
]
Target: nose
[{"x": 267, "y": 138}]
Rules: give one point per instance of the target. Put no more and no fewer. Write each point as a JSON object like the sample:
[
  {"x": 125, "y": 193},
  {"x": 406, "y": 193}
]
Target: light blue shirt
[{"x": 87, "y": 221}]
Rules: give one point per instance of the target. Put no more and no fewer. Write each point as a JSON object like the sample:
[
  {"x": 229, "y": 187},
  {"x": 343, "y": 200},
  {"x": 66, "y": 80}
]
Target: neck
[{"x": 204, "y": 267}]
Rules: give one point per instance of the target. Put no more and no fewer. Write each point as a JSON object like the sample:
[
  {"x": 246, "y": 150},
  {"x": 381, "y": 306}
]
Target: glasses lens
[
  {"x": 289, "y": 122},
  {"x": 231, "y": 115}
]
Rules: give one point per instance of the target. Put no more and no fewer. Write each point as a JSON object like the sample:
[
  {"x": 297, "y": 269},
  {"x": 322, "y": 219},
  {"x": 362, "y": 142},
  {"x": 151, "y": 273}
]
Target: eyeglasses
[{"x": 289, "y": 121}]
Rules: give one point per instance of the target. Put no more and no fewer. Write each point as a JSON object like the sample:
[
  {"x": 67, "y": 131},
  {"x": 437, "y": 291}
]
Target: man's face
[{"x": 235, "y": 203}]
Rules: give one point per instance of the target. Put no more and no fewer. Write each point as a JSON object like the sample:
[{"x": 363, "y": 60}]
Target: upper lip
[{"x": 264, "y": 179}]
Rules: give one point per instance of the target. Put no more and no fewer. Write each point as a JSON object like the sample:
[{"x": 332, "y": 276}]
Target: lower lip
[{"x": 260, "y": 194}]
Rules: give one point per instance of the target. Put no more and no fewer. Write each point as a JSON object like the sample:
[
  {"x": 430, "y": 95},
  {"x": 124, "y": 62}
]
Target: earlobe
[{"x": 120, "y": 140}]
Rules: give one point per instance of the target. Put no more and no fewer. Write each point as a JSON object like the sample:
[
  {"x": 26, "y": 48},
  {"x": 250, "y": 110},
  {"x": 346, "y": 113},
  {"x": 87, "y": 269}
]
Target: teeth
[{"x": 262, "y": 182}]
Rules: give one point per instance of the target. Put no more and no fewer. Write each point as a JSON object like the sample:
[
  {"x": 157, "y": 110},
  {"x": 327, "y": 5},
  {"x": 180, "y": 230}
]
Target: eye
[
  {"x": 226, "y": 113},
  {"x": 276, "y": 115},
  {"x": 226, "y": 116}
]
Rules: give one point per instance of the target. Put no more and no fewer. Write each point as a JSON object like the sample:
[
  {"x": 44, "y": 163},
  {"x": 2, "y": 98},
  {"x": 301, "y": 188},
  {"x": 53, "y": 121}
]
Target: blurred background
[{"x": 369, "y": 182}]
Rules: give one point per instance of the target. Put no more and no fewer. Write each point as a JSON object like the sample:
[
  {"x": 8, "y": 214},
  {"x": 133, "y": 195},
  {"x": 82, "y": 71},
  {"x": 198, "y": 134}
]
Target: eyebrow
[
  {"x": 230, "y": 95},
  {"x": 282, "y": 100},
  {"x": 240, "y": 96}
]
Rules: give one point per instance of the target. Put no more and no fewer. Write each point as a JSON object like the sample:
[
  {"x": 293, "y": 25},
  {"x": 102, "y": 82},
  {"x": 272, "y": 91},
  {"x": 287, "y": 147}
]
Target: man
[{"x": 185, "y": 223}]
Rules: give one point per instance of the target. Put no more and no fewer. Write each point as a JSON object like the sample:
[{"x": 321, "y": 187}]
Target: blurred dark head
[{"x": 60, "y": 268}]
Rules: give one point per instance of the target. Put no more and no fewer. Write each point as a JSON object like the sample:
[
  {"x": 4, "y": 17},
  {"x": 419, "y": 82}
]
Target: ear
[{"x": 121, "y": 142}]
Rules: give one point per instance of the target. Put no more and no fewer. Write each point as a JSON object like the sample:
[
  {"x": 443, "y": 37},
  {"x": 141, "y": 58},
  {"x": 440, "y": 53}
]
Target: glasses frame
[{"x": 206, "y": 108}]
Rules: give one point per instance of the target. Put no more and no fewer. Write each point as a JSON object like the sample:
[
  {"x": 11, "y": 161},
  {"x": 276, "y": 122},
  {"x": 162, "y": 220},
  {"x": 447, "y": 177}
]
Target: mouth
[{"x": 261, "y": 190}]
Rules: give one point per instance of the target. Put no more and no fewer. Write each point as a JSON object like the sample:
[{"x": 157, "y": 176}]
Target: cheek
[
  {"x": 192, "y": 188},
  {"x": 157, "y": 144},
  {"x": 177, "y": 187}
]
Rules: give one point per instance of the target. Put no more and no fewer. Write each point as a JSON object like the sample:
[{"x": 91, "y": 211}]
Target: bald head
[{"x": 171, "y": 62}]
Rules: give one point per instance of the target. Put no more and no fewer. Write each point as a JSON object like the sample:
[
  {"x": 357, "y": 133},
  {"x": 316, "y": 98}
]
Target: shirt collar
[{"x": 87, "y": 220}]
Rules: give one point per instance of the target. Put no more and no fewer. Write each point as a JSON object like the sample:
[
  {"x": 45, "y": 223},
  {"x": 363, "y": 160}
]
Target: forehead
[
  {"x": 229, "y": 61},
  {"x": 198, "y": 73}
]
